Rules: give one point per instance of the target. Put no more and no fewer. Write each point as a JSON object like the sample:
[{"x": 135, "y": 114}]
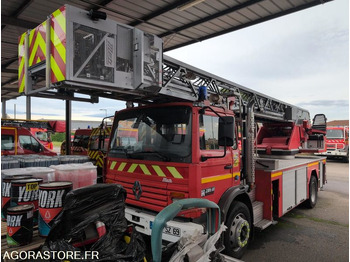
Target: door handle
[{"x": 228, "y": 167}]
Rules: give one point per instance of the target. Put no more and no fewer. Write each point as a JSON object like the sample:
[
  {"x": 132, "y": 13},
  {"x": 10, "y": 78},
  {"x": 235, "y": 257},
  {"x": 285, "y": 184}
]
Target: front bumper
[
  {"x": 172, "y": 231},
  {"x": 333, "y": 153}
]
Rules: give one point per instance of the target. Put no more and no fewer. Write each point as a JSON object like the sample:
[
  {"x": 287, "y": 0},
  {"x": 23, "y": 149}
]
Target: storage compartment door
[
  {"x": 301, "y": 185},
  {"x": 288, "y": 190}
]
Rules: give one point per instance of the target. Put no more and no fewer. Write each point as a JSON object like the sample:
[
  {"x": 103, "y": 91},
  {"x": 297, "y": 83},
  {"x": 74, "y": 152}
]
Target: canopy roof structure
[{"x": 177, "y": 22}]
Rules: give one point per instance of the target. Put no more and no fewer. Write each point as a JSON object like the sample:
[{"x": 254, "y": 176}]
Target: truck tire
[
  {"x": 311, "y": 202},
  {"x": 237, "y": 234}
]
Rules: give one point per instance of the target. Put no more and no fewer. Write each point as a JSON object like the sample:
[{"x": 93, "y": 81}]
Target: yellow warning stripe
[
  {"x": 58, "y": 44},
  {"x": 39, "y": 42},
  {"x": 159, "y": 171},
  {"x": 132, "y": 168},
  {"x": 60, "y": 18},
  {"x": 121, "y": 167},
  {"x": 312, "y": 164},
  {"x": 276, "y": 174},
  {"x": 113, "y": 165},
  {"x": 144, "y": 169},
  {"x": 56, "y": 70},
  {"x": 21, "y": 55},
  {"x": 218, "y": 178},
  {"x": 31, "y": 34},
  {"x": 174, "y": 172}
]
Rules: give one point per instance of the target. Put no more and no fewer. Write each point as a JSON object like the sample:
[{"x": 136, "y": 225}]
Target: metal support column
[
  {"x": 68, "y": 125},
  {"x": 28, "y": 108},
  {"x": 3, "y": 109}
]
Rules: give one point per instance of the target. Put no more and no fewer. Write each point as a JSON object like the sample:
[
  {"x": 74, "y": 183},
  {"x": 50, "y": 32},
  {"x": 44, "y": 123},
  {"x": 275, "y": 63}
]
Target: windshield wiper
[{"x": 160, "y": 155}]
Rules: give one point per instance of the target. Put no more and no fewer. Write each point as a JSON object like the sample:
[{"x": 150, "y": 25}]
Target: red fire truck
[
  {"x": 20, "y": 141},
  {"x": 40, "y": 129},
  {"x": 185, "y": 131},
  {"x": 80, "y": 142},
  {"x": 337, "y": 143}
]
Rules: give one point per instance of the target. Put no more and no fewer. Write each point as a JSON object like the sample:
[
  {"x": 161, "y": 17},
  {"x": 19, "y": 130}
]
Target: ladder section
[
  {"x": 77, "y": 53},
  {"x": 182, "y": 81}
]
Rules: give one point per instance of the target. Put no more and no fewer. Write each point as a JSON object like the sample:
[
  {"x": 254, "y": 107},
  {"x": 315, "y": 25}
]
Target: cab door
[
  {"x": 219, "y": 170},
  {"x": 8, "y": 141}
]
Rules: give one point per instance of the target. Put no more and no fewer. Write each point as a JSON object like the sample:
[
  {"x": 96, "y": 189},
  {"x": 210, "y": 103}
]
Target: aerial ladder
[
  {"x": 87, "y": 54},
  {"x": 94, "y": 56}
]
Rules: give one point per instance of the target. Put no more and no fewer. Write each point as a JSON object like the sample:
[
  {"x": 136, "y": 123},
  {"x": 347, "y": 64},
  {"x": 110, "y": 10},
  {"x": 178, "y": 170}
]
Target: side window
[
  {"x": 36, "y": 147},
  {"x": 25, "y": 142},
  {"x": 7, "y": 142},
  {"x": 29, "y": 143},
  {"x": 208, "y": 131}
]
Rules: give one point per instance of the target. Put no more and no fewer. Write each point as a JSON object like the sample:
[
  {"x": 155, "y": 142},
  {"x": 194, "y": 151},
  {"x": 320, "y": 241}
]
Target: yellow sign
[{"x": 32, "y": 186}]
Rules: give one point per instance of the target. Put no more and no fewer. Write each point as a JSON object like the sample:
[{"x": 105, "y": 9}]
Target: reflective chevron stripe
[
  {"x": 149, "y": 170},
  {"x": 21, "y": 59},
  {"x": 58, "y": 45}
]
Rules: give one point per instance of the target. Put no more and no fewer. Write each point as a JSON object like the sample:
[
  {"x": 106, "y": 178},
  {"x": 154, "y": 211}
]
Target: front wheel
[
  {"x": 237, "y": 235},
  {"x": 311, "y": 202}
]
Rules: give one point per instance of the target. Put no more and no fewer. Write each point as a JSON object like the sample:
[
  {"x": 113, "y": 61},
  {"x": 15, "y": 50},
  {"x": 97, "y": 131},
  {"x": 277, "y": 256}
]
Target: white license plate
[{"x": 169, "y": 230}]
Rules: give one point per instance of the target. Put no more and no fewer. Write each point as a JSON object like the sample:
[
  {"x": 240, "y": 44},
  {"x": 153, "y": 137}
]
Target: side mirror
[{"x": 226, "y": 130}]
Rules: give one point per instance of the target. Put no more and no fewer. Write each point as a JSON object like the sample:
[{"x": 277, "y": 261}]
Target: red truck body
[
  {"x": 20, "y": 141},
  {"x": 177, "y": 154},
  {"x": 80, "y": 142},
  {"x": 337, "y": 143}
]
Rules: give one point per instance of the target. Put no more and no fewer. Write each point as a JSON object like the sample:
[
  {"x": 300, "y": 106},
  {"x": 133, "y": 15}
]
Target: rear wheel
[
  {"x": 311, "y": 202},
  {"x": 237, "y": 234}
]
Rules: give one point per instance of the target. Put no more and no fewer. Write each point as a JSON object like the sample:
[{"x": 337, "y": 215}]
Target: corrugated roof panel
[
  {"x": 214, "y": 26},
  {"x": 283, "y": 4},
  {"x": 132, "y": 10},
  {"x": 257, "y": 8},
  {"x": 119, "y": 18},
  {"x": 149, "y": 29},
  {"x": 14, "y": 65},
  {"x": 9, "y": 7},
  {"x": 196, "y": 32},
  {"x": 8, "y": 50},
  {"x": 270, "y": 6},
  {"x": 235, "y": 18},
  {"x": 12, "y": 33},
  {"x": 249, "y": 14},
  {"x": 181, "y": 16},
  {"x": 143, "y": 7},
  {"x": 168, "y": 21}
]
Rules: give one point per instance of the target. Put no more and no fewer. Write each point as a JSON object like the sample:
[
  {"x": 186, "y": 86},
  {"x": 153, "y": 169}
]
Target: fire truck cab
[
  {"x": 80, "y": 142},
  {"x": 20, "y": 141},
  {"x": 337, "y": 143}
]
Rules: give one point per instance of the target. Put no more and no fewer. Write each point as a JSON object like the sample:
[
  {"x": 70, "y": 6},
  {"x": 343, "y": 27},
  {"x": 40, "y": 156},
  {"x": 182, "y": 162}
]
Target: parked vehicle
[
  {"x": 337, "y": 143},
  {"x": 20, "y": 141},
  {"x": 181, "y": 141},
  {"x": 79, "y": 144}
]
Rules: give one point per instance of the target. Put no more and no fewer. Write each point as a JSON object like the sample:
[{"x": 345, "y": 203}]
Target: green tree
[{"x": 58, "y": 137}]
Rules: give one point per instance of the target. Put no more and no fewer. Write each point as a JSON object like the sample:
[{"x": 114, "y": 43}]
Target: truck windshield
[
  {"x": 335, "y": 133},
  {"x": 42, "y": 136},
  {"x": 160, "y": 134}
]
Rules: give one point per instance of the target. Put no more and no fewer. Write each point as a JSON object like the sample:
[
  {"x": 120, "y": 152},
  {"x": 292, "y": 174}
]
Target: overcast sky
[{"x": 301, "y": 58}]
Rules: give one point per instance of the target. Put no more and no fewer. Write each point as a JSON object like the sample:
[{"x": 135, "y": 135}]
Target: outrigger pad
[{"x": 93, "y": 219}]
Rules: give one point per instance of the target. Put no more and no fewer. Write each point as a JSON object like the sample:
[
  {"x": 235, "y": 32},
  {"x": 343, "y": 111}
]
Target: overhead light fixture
[{"x": 189, "y": 4}]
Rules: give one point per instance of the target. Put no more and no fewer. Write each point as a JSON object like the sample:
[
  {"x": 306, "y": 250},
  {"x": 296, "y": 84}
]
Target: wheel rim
[{"x": 239, "y": 232}]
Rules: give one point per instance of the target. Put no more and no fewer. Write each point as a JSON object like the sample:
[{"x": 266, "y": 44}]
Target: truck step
[
  {"x": 251, "y": 195},
  {"x": 258, "y": 211},
  {"x": 264, "y": 224}
]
